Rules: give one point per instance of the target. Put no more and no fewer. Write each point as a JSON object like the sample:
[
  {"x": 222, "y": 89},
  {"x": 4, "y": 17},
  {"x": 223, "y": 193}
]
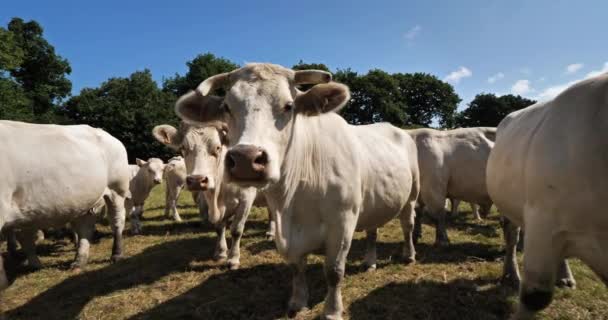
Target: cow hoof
[
  {"x": 442, "y": 243},
  {"x": 293, "y": 311},
  {"x": 332, "y": 317},
  {"x": 269, "y": 237},
  {"x": 75, "y": 268},
  {"x": 409, "y": 260},
  {"x": 233, "y": 265},
  {"x": 220, "y": 256},
  {"x": 510, "y": 282},
  {"x": 116, "y": 258},
  {"x": 370, "y": 268},
  {"x": 177, "y": 219},
  {"x": 567, "y": 283}
]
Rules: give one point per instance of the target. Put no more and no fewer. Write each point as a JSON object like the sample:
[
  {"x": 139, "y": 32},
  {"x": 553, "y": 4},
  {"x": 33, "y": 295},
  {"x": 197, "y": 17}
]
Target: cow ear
[
  {"x": 140, "y": 162},
  {"x": 323, "y": 98},
  {"x": 166, "y": 135},
  {"x": 194, "y": 108}
]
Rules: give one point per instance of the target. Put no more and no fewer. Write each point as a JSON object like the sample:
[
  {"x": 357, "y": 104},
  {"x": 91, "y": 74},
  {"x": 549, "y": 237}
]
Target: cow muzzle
[
  {"x": 197, "y": 183},
  {"x": 247, "y": 163}
]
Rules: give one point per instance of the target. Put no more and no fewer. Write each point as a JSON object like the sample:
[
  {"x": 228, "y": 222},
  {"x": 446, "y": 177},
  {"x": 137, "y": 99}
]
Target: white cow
[
  {"x": 175, "y": 180},
  {"x": 452, "y": 165},
  {"x": 548, "y": 173},
  {"x": 53, "y": 174},
  {"x": 145, "y": 175},
  {"x": 322, "y": 177},
  {"x": 204, "y": 150}
]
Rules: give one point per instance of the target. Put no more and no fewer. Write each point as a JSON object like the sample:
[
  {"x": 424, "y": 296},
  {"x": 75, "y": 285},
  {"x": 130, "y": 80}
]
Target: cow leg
[
  {"x": 221, "y": 248},
  {"x": 271, "y": 228},
  {"x": 11, "y": 242},
  {"x": 417, "y": 234},
  {"x": 299, "y": 288},
  {"x": 475, "y": 210},
  {"x": 135, "y": 219},
  {"x": 168, "y": 204},
  {"x": 541, "y": 257},
  {"x": 510, "y": 273},
  {"x": 117, "y": 215},
  {"x": 203, "y": 209},
  {"x": 27, "y": 238},
  {"x": 369, "y": 262},
  {"x": 564, "y": 275},
  {"x": 455, "y": 203},
  {"x": 337, "y": 247},
  {"x": 236, "y": 231},
  {"x": 84, "y": 227},
  {"x": 176, "y": 193},
  {"x": 441, "y": 234},
  {"x": 407, "y": 218}
]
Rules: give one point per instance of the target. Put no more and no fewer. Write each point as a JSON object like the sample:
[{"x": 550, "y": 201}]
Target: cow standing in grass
[
  {"x": 548, "y": 173},
  {"x": 145, "y": 175},
  {"x": 452, "y": 165},
  {"x": 53, "y": 174},
  {"x": 204, "y": 151},
  {"x": 175, "y": 181},
  {"x": 322, "y": 177}
]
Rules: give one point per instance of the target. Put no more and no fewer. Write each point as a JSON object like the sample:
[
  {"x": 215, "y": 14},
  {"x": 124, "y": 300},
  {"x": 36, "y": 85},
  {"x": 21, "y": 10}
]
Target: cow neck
[{"x": 217, "y": 204}]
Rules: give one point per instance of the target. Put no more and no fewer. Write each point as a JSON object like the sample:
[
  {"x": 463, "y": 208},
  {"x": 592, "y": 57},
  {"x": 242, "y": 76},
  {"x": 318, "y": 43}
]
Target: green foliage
[
  {"x": 427, "y": 98},
  {"x": 128, "y": 109},
  {"x": 199, "y": 69},
  {"x": 487, "y": 110},
  {"x": 301, "y": 65},
  {"x": 11, "y": 54},
  {"x": 13, "y": 102},
  {"x": 41, "y": 73}
]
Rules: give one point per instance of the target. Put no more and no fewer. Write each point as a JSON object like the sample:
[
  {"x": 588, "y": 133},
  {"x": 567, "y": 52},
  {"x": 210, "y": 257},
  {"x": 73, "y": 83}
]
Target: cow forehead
[
  {"x": 155, "y": 163},
  {"x": 199, "y": 136},
  {"x": 250, "y": 93}
]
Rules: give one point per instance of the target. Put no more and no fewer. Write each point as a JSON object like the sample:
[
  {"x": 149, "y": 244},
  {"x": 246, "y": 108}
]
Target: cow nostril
[
  {"x": 205, "y": 180},
  {"x": 230, "y": 163},
  {"x": 261, "y": 159}
]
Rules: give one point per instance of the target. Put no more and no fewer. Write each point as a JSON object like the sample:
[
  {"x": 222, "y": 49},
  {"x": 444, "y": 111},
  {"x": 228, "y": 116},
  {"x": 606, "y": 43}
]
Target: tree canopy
[
  {"x": 487, "y": 109},
  {"x": 128, "y": 109},
  {"x": 34, "y": 87}
]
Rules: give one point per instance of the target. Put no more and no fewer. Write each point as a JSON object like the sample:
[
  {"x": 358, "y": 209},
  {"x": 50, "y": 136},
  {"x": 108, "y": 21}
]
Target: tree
[
  {"x": 199, "y": 69},
  {"x": 374, "y": 98},
  {"x": 128, "y": 109},
  {"x": 301, "y": 65},
  {"x": 487, "y": 110},
  {"x": 427, "y": 99},
  {"x": 41, "y": 73}
]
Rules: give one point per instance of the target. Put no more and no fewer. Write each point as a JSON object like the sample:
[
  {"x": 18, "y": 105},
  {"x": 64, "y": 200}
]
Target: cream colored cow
[
  {"x": 54, "y": 174},
  {"x": 322, "y": 177},
  {"x": 548, "y": 173}
]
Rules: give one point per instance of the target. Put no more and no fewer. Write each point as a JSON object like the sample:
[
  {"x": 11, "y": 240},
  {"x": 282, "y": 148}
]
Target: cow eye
[{"x": 288, "y": 106}]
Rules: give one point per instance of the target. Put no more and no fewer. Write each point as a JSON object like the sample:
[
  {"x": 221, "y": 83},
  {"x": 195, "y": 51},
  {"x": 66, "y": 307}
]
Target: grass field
[{"x": 169, "y": 274}]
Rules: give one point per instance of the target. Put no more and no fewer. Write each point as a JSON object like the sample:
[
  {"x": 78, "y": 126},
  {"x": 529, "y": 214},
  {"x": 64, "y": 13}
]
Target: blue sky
[{"x": 533, "y": 48}]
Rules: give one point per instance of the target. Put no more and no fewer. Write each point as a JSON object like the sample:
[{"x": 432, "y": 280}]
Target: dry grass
[{"x": 169, "y": 275}]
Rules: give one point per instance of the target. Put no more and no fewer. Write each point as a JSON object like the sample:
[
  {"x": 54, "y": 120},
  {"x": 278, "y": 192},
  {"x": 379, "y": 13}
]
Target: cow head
[
  {"x": 153, "y": 169},
  {"x": 203, "y": 149},
  {"x": 262, "y": 103}
]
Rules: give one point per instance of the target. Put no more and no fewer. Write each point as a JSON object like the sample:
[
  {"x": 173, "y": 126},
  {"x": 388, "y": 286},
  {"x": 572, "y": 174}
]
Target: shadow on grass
[
  {"x": 259, "y": 292},
  {"x": 67, "y": 299},
  {"x": 460, "y": 299},
  {"x": 427, "y": 253}
]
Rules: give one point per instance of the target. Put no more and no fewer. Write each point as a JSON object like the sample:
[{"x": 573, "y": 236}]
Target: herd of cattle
[{"x": 266, "y": 143}]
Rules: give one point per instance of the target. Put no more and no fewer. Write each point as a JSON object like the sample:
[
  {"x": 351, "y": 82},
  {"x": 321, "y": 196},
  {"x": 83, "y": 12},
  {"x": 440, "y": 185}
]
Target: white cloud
[
  {"x": 455, "y": 76},
  {"x": 521, "y": 87},
  {"x": 573, "y": 68},
  {"x": 413, "y": 32},
  {"x": 553, "y": 91},
  {"x": 496, "y": 77}
]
